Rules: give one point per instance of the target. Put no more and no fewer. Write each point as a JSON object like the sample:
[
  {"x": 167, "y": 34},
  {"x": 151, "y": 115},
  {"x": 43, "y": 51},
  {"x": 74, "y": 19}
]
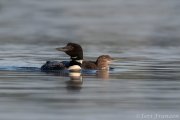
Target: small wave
[{"x": 15, "y": 68}]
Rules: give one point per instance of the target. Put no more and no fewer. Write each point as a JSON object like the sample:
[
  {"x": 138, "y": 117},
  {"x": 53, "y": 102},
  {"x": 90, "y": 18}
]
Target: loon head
[
  {"x": 75, "y": 51},
  {"x": 103, "y": 62}
]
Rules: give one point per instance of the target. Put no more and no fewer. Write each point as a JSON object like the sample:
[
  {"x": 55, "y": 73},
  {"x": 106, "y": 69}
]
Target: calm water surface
[
  {"x": 145, "y": 80},
  {"x": 142, "y": 35}
]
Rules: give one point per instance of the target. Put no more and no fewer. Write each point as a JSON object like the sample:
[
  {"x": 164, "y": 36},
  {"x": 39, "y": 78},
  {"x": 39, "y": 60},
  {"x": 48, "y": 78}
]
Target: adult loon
[
  {"x": 75, "y": 52},
  {"x": 76, "y": 55}
]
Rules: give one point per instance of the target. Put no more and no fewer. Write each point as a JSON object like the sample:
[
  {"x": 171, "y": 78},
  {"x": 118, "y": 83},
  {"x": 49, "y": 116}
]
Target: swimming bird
[
  {"x": 76, "y": 55},
  {"x": 102, "y": 63},
  {"x": 75, "y": 52}
]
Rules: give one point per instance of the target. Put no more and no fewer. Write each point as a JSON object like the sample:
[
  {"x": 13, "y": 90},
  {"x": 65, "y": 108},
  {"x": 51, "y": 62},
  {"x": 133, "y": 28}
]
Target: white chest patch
[
  {"x": 74, "y": 67},
  {"x": 79, "y": 61}
]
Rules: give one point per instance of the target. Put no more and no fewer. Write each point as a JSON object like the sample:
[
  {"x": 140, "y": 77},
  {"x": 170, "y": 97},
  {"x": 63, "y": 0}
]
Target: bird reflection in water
[
  {"x": 75, "y": 82},
  {"x": 103, "y": 74}
]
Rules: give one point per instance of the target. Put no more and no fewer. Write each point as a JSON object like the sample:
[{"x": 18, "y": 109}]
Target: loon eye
[{"x": 70, "y": 47}]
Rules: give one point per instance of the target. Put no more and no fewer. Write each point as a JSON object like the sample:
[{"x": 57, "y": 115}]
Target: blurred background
[
  {"x": 142, "y": 35},
  {"x": 122, "y": 22}
]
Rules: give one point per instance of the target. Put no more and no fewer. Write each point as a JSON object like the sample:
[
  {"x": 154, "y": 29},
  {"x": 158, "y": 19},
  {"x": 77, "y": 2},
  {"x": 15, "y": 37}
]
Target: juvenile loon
[
  {"x": 75, "y": 52},
  {"x": 102, "y": 63}
]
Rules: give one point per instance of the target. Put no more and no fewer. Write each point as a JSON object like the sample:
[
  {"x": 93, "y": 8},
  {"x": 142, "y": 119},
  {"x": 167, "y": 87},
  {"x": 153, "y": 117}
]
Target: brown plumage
[{"x": 102, "y": 63}]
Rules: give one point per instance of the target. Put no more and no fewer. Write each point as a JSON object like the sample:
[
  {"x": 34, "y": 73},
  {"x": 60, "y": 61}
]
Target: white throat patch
[
  {"x": 74, "y": 57},
  {"x": 79, "y": 61}
]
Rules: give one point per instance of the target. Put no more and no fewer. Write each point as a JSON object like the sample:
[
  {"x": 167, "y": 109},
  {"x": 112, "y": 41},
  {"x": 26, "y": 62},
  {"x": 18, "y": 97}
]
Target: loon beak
[
  {"x": 64, "y": 49},
  {"x": 115, "y": 59}
]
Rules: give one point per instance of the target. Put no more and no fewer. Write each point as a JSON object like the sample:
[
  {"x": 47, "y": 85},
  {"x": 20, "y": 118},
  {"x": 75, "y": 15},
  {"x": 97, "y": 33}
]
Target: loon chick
[
  {"x": 76, "y": 55},
  {"x": 102, "y": 63}
]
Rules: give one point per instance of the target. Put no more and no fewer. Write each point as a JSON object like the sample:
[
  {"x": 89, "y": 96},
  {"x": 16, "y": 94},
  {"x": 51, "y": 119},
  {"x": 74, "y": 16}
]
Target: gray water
[{"x": 142, "y": 36}]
